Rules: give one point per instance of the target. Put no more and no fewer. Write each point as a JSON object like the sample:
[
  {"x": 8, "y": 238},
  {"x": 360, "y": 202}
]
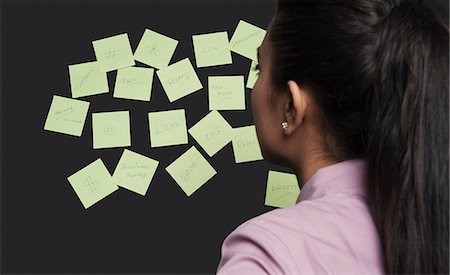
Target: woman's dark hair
[{"x": 378, "y": 70}]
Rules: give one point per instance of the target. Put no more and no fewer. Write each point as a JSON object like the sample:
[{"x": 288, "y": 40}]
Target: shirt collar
[{"x": 347, "y": 176}]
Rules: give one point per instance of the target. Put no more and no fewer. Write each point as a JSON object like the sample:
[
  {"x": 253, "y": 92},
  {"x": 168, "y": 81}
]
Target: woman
[{"x": 353, "y": 95}]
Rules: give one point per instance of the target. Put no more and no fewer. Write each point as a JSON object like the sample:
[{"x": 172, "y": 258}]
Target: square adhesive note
[
  {"x": 252, "y": 75},
  {"x": 134, "y": 83},
  {"x": 211, "y": 49},
  {"x": 135, "y": 172},
  {"x": 212, "y": 132},
  {"x": 179, "y": 79},
  {"x": 87, "y": 79},
  {"x": 246, "y": 40},
  {"x": 245, "y": 144},
  {"x": 111, "y": 129},
  {"x": 92, "y": 183},
  {"x": 226, "y": 92},
  {"x": 113, "y": 52},
  {"x": 66, "y": 116},
  {"x": 167, "y": 128},
  {"x": 155, "y": 49},
  {"x": 191, "y": 170},
  {"x": 282, "y": 189}
]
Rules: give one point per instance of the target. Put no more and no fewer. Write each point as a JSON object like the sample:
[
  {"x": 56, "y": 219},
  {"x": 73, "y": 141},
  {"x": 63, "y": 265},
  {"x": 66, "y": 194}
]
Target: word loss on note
[
  {"x": 246, "y": 39},
  {"x": 226, "y": 92},
  {"x": 212, "y": 132},
  {"x": 191, "y": 170},
  {"x": 135, "y": 172},
  {"x": 111, "y": 129},
  {"x": 87, "y": 79},
  {"x": 66, "y": 116},
  {"x": 167, "y": 128},
  {"x": 155, "y": 50},
  {"x": 92, "y": 183},
  {"x": 179, "y": 79},
  {"x": 211, "y": 49},
  {"x": 245, "y": 144},
  {"x": 134, "y": 83},
  {"x": 282, "y": 189},
  {"x": 113, "y": 52}
]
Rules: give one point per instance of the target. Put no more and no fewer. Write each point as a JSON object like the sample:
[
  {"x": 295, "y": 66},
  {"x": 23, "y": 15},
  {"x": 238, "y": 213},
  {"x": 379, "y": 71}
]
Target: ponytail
[
  {"x": 408, "y": 139},
  {"x": 379, "y": 74}
]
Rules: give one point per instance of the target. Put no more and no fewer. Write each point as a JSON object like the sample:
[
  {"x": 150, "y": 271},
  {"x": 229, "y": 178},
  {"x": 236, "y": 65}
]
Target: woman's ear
[{"x": 294, "y": 109}]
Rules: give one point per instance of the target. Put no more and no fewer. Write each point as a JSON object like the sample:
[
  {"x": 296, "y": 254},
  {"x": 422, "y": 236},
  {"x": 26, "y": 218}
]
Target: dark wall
[{"x": 44, "y": 227}]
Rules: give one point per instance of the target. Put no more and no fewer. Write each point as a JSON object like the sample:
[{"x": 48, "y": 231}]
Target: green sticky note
[
  {"x": 111, "y": 129},
  {"x": 179, "y": 79},
  {"x": 155, "y": 49},
  {"x": 245, "y": 144},
  {"x": 92, "y": 183},
  {"x": 167, "y": 128},
  {"x": 212, "y": 132},
  {"x": 191, "y": 170},
  {"x": 211, "y": 49},
  {"x": 113, "y": 52},
  {"x": 66, "y": 116},
  {"x": 135, "y": 172},
  {"x": 87, "y": 79},
  {"x": 282, "y": 189},
  {"x": 246, "y": 40},
  {"x": 252, "y": 75},
  {"x": 134, "y": 83},
  {"x": 226, "y": 92}
]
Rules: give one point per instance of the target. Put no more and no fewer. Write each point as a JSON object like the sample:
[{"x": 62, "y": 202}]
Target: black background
[{"x": 44, "y": 227}]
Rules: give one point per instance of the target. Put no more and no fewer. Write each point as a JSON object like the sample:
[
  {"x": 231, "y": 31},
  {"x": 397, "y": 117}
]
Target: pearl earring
[{"x": 284, "y": 125}]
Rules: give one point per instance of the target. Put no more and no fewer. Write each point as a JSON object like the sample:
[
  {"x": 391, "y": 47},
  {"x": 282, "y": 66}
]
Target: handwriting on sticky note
[
  {"x": 167, "y": 128},
  {"x": 179, "y": 79},
  {"x": 134, "y": 83},
  {"x": 111, "y": 129},
  {"x": 282, "y": 189},
  {"x": 66, "y": 116},
  {"x": 212, "y": 132},
  {"x": 92, "y": 183},
  {"x": 245, "y": 144},
  {"x": 211, "y": 49},
  {"x": 135, "y": 172},
  {"x": 191, "y": 170},
  {"x": 226, "y": 92},
  {"x": 87, "y": 79},
  {"x": 155, "y": 49},
  {"x": 246, "y": 39},
  {"x": 113, "y": 52}
]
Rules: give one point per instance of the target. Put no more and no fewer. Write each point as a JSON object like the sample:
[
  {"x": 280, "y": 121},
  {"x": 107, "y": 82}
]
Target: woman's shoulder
[{"x": 300, "y": 237}]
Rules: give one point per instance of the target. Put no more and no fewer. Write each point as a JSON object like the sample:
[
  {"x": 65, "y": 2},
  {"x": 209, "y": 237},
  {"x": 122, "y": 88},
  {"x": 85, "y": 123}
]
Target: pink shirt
[{"x": 329, "y": 230}]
